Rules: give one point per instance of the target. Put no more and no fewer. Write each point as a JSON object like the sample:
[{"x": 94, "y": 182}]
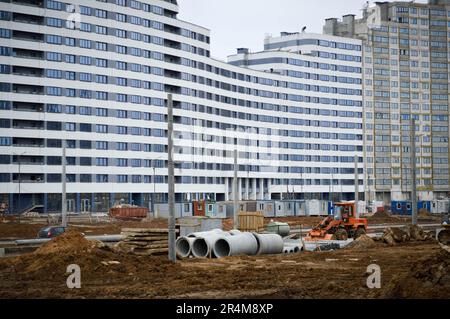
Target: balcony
[
  {"x": 172, "y": 89},
  {"x": 28, "y": 89},
  {"x": 172, "y": 59},
  {"x": 172, "y": 44},
  {"x": 28, "y": 178},
  {"x": 34, "y": 3},
  {"x": 28, "y": 124},
  {"x": 27, "y": 71},
  {"x": 172, "y": 74},
  {"x": 28, "y": 18},
  {"x": 28, "y": 142},
  {"x": 28, "y": 54},
  {"x": 28, "y": 160},
  {"x": 28, "y": 36},
  {"x": 28, "y": 107}
]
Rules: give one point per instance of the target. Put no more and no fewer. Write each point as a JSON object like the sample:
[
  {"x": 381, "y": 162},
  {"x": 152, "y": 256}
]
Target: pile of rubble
[
  {"x": 144, "y": 241},
  {"x": 393, "y": 235}
]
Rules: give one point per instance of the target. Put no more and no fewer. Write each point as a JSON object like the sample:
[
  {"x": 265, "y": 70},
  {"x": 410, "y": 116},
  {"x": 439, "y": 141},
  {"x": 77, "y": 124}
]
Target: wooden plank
[
  {"x": 145, "y": 230},
  {"x": 153, "y": 238}
]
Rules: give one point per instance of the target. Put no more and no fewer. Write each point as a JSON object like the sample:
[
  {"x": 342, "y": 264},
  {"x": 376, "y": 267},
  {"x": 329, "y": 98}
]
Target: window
[
  {"x": 85, "y": 110},
  {"x": 101, "y": 13},
  {"x": 70, "y": 58},
  {"x": 86, "y": 60},
  {"x": 102, "y": 178},
  {"x": 53, "y": 39},
  {"x": 70, "y": 126},
  {"x": 101, "y": 112},
  {"x": 101, "y": 46},
  {"x": 101, "y": 29},
  {"x": 101, "y": 161},
  {"x": 101, "y": 128},
  {"x": 70, "y": 41}
]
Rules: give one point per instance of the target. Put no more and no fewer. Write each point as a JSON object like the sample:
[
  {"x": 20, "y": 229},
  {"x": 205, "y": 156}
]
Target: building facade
[
  {"x": 406, "y": 77},
  {"x": 94, "y": 76}
]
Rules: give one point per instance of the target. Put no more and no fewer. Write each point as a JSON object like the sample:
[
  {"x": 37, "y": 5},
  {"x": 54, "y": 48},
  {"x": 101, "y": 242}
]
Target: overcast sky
[{"x": 243, "y": 23}]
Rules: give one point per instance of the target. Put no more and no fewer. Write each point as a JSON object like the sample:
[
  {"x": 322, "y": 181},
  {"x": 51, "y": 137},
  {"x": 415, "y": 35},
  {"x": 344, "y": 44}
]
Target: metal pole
[
  {"x": 235, "y": 192},
  {"x": 172, "y": 254},
  {"x": 413, "y": 167},
  {"x": 356, "y": 186},
  {"x": 63, "y": 180},
  {"x": 20, "y": 179},
  {"x": 154, "y": 189}
]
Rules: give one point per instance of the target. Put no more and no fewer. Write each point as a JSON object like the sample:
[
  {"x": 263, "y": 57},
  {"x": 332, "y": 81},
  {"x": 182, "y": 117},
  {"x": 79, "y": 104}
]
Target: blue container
[{"x": 404, "y": 208}]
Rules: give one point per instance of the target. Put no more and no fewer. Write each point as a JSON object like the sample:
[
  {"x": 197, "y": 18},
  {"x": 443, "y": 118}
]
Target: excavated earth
[{"x": 408, "y": 270}]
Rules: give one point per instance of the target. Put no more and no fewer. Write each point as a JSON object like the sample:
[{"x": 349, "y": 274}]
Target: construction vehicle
[
  {"x": 443, "y": 235},
  {"x": 342, "y": 225}
]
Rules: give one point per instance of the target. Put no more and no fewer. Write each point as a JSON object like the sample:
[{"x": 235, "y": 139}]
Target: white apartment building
[{"x": 94, "y": 75}]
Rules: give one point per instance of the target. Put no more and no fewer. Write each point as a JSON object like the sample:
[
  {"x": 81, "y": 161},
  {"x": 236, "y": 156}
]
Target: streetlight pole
[
  {"x": 64, "y": 181},
  {"x": 19, "y": 160},
  {"x": 413, "y": 167},
  {"x": 154, "y": 190},
  {"x": 172, "y": 253}
]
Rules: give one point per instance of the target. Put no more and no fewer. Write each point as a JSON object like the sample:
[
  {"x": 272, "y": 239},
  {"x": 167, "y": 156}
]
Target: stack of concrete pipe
[
  {"x": 292, "y": 247},
  {"x": 218, "y": 243}
]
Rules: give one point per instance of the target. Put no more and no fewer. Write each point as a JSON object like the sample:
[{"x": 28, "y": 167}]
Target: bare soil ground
[
  {"x": 410, "y": 270},
  {"x": 10, "y": 228}
]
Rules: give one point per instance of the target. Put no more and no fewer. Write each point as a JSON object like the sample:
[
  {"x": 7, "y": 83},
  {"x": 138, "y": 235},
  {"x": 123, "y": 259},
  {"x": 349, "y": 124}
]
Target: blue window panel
[
  {"x": 54, "y": 56},
  {"x": 85, "y": 10},
  {"x": 101, "y": 128},
  {"x": 70, "y": 127},
  {"x": 86, "y": 44},
  {"x": 5, "y": 33},
  {"x": 122, "y": 146},
  {"x": 56, "y": 91},
  {"x": 85, "y": 110},
  {"x": 70, "y": 41},
  {"x": 55, "y": 5},
  {"x": 70, "y": 58},
  {"x": 5, "y": 141},
  {"x": 69, "y": 75},
  {"x": 85, "y": 60},
  {"x": 102, "y": 63},
  {"x": 54, "y": 108},
  {"x": 71, "y": 92}
]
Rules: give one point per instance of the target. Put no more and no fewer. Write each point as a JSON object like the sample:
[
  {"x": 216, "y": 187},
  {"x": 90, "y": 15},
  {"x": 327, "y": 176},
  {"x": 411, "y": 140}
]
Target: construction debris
[
  {"x": 393, "y": 235},
  {"x": 144, "y": 241}
]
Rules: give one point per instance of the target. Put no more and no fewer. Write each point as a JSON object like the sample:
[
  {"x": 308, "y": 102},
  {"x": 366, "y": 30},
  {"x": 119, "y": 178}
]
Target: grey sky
[{"x": 243, "y": 23}]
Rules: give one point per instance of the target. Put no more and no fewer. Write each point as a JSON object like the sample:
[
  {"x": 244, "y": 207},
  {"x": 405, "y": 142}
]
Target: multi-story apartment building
[
  {"x": 94, "y": 76},
  {"x": 406, "y": 77}
]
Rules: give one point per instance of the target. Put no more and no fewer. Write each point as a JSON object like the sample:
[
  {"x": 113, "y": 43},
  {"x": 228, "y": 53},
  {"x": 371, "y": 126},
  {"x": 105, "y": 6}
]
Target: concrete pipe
[
  {"x": 184, "y": 246},
  {"x": 269, "y": 244},
  {"x": 206, "y": 233},
  {"x": 293, "y": 248},
  {"x": 241, "y": 244},
  {"x": 235, "y": 232},
  {"x": 203, "y": 246}
]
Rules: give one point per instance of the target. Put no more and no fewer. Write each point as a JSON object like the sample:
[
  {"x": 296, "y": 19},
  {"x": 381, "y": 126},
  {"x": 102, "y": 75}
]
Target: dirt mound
[
  {"x": 423, "y": 213},
  {"x": 426, "y": 278},
  {"x": 71, "y": 240},
  {"x": 95, "y": 259},
  {"x": 362, "y": 242}
]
